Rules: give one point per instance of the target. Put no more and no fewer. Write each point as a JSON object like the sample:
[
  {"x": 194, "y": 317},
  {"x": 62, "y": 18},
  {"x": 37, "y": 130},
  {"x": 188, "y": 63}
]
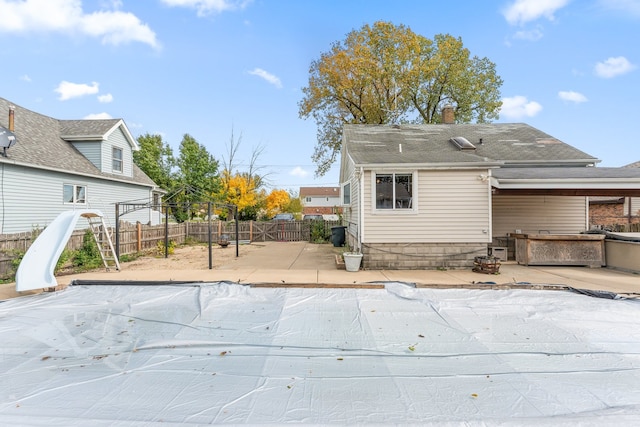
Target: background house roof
[
  {"x": 504, "y": 144},
  {"x": 320, "y": 191},
  {"x": 40, "y": 144}
]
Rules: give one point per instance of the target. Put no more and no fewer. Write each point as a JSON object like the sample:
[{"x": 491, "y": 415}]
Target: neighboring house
[
  {"x": 320, "y": 200},
  {"x": 60, "y": 165},
  {"x": 617, "y": 210},
  {"x": 437, "y": 196}
]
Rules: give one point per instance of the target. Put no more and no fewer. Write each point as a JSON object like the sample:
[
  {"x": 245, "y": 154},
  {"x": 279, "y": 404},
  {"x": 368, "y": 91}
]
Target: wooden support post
[{"x": 139, "y": 245}]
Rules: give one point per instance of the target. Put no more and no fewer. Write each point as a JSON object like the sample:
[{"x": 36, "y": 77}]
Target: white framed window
[
  {"x": 345, "y": 190},
  {"x": 74, "y": 194},
  {"x": 307, "y": 199},
  {"x": 116, "y": 157},
  {"x": 394, "y": 191}
]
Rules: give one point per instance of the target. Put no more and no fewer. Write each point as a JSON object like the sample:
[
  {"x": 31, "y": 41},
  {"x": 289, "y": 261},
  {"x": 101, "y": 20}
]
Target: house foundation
[{"x": 421, "y": 256}]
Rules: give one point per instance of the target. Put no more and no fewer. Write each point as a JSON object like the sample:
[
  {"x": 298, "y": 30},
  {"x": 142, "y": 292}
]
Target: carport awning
[{"x": 592, "y": 181}]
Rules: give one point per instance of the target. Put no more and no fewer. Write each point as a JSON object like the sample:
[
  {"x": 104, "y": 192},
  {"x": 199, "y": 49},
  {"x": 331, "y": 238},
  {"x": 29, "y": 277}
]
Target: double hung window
[
  {"x": 394, "y": 191},
  {"x": 74, "y": 194},
  {"x": 116, "y": 156}
]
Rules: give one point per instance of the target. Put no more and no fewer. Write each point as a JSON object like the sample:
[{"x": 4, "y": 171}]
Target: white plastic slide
[{"x": 36, "y": 268}]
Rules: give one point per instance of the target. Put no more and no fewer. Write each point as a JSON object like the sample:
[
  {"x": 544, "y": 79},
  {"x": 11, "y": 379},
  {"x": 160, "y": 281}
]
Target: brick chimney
[
  {"x": 11, "y": 117},
  {"x": 448, "y": 114}
]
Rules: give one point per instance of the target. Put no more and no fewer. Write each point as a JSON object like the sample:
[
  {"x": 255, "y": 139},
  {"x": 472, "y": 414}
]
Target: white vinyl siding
[
  {"x": 45, "y": 198},
  {"x": 92, "y": 150},
  {"x": 539, "y": 214},
  {"x": 322, "y": 201},
  {"x": 448, "y": 206}
]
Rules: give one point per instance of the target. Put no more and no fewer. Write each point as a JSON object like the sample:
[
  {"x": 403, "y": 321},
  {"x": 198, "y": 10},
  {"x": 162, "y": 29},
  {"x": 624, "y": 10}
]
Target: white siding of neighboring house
[
  {"x": 449, "y": 207},
  {"x": 117, "y": 139},
  {"x": 539, "y": 214},
  {"x": 92, "y": 150},
  {"x": 323, "y": 201},
  {"x": 32, "y": 198}
]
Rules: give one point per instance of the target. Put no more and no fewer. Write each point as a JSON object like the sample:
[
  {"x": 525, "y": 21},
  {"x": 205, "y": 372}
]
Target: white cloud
[
  {"x": 266, "y": 76},
  {"x": 613, "y": 67},
  {"x": 571, "y": 96},
  {"x": 68, "y": 90},
  {"x": 98, "y": 116},
  {"x": 66, "y": 16},
  {"x": 531, "y": 35},
  {"x": 298, "y": 171},
  {"x": 105, "y": 99},
  {"x": 207, "y": 7},
  {"x": 25, "y": 78},
  {"x": 518, "y": 107},
  {"x": 523, "y": 11}
]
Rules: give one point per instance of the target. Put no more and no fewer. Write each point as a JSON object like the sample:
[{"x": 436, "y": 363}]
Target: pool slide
[{"x": 38, "y": 264}]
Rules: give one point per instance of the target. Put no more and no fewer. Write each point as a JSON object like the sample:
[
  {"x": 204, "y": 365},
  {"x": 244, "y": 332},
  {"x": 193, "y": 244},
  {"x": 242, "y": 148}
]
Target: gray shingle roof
[
  {"x": 39, "y": 143},
  {"x": 507, "y": 143},
  {"x": 86, "y": 128}
]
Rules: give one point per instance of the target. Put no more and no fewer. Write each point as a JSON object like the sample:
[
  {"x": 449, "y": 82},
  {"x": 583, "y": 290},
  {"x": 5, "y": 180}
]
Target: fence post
[
  {"x": 209, "y": 235},
  {"x": 139, "y": 244}
]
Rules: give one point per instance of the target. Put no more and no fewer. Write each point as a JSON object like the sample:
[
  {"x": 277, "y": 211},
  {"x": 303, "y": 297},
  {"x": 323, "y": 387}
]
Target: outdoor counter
[{"x": 560, "y": 249}]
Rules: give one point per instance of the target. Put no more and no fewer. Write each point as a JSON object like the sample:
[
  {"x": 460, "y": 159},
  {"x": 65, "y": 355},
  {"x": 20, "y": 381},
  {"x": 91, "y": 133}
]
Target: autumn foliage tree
[
  {"x": 277, "y": 202},
  {"x": 388, "y": 74}
]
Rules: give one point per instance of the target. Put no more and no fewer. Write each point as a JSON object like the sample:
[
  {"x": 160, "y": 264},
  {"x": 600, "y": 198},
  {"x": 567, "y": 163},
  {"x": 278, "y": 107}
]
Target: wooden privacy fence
[{"x": 136, "y": 238}]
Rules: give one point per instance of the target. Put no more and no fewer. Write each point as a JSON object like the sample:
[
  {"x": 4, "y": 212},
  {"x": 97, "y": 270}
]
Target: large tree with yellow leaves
[{"x": 388, "y": 74}]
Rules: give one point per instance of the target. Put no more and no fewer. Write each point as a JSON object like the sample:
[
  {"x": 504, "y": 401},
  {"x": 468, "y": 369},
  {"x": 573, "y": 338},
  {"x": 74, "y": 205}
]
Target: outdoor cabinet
[{"x": 560, "y": 249}]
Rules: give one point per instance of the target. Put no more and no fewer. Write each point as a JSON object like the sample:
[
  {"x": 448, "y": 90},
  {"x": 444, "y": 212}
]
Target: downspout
[
  {"x": 360, "y": 210},
  {"x": 490, "y": 195}
]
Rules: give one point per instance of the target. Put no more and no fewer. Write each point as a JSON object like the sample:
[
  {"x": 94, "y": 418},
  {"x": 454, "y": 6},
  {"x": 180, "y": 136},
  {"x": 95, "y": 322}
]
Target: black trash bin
[{"x": 338, "y": 235}]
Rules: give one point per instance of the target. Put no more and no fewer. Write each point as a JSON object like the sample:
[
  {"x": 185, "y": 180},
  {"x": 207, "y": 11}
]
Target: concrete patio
[{"x": 303, "y": 263}]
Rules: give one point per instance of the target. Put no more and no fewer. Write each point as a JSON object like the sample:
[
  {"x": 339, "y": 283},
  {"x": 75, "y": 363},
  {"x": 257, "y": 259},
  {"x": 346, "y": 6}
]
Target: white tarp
[{"x": 224, "y": 353}]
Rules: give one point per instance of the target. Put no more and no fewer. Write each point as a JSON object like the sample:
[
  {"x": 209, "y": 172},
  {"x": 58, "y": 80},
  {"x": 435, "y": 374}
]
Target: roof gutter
[
  {"x": 547, "y": 163},
  {"x": 430, "y": 166},
  {"x": 599, "y": 183}
]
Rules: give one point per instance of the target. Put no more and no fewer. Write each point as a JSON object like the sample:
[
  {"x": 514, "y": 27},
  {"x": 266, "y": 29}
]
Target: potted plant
[{"x": 352, "y": 260}]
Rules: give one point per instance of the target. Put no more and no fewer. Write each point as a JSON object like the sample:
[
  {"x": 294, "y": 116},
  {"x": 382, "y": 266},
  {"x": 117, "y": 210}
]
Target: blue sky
[{"x": 212, "y": 67}]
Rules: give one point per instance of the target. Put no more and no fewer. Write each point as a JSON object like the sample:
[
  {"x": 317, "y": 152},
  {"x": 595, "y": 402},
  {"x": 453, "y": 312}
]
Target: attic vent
[{"x": 462, "y": 143}]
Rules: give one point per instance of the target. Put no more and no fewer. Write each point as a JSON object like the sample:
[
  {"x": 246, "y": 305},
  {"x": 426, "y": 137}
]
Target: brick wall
[{"x": 610, "y": 214}]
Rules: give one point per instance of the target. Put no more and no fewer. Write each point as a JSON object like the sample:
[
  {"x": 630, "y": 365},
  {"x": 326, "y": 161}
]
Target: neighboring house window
[
  {"x": 394, "y": 191},
  {"x": 346, "y": 194},
  {"x": 74, "y": 194},
  {"x": 117, "y": 159},
  {"x": 307, "y": 199},
  {"x": 156, "y": 200}
]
